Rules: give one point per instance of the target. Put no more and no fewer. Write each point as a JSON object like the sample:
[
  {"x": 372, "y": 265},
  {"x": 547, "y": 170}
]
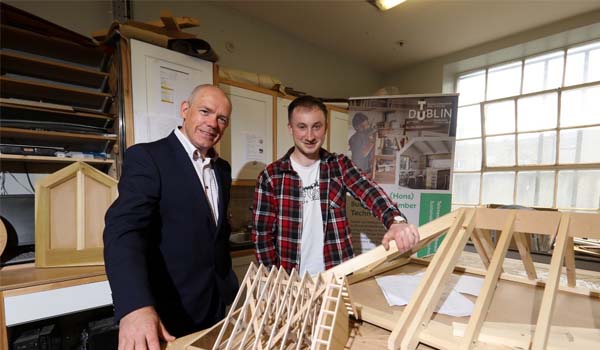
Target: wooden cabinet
[
  {"x": 248, "y": 141},
  {"x": 30, "y": 294},
  {"x": 57, "y": 97},
  {"x": 339, "y": 123},
  {"x": 258, "y": 133},
  {"x": 284, "y": 139}
]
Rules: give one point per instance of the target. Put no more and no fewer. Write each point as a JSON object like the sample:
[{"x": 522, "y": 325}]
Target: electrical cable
[
  {"x": 28, "y": 178},
  {"x": 19, "y": 182}
]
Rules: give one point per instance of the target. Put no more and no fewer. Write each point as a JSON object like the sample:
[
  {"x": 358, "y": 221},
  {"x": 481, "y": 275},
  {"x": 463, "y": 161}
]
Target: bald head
[
  {"x": 205, "y": 116},
  {"x": 203, "y": 88}
]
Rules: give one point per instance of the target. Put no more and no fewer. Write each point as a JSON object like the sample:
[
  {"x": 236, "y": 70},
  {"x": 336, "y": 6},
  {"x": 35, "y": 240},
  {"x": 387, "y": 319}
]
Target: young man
[
  {"x": 166, "y": 239},
  {"x": 300, "y": 200}
]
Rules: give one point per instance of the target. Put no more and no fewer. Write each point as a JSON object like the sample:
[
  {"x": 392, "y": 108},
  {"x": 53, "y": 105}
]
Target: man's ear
[
  {"x": 183, "y": 109},
  {"x": 289, "y": 125}
]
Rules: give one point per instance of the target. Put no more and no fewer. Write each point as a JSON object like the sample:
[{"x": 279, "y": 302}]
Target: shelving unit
[{"x": 58, "y": 90}]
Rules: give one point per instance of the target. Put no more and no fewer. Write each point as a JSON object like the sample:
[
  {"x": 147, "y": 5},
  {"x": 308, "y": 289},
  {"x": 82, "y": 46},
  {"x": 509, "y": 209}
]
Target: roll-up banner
[{"x": 406, "y": 145}]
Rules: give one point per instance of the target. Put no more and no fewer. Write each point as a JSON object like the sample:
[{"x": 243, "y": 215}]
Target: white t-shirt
[{"x": 311, "y": 244}]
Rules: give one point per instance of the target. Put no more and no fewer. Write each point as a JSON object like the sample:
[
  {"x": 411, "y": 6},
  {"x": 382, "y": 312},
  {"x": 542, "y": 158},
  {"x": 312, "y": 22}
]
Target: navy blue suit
[{"x": 162, "y": 246}]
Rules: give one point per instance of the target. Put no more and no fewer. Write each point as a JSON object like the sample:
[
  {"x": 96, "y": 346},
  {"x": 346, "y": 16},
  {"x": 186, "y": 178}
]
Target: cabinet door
[
  {"x": 284, "y": 139},
  {"x": 248, "y": 141},
  {"x": 161, "y": 79},
  {"x": 339, "y": 123}
]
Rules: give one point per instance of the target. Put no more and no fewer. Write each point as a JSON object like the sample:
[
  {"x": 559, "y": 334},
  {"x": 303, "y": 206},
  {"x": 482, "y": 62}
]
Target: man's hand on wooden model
[
  {"x": 141, "y": 329},
  {"x": 406, "y": 236}
]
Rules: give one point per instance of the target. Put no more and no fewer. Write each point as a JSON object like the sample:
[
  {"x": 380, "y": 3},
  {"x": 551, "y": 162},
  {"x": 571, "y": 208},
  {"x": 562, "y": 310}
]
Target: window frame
[{"x": 556, "y": 167}]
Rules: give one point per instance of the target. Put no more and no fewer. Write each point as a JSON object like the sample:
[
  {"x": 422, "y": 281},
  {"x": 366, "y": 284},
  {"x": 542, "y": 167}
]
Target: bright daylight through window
[{"x": 528, "y": 132}]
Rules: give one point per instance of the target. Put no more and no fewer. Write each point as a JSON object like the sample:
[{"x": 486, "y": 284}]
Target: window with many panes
[{"x": 528, "y": 132}]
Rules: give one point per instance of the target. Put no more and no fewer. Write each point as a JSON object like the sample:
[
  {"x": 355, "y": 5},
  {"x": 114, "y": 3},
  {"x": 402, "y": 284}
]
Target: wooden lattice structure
[
  {"x": 277, "y": 310},
  {"x": 511, "y": 311}
]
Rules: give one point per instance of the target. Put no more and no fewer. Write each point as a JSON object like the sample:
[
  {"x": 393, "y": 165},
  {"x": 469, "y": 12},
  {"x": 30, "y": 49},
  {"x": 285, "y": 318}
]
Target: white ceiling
[{"x": 428, "y": 28}]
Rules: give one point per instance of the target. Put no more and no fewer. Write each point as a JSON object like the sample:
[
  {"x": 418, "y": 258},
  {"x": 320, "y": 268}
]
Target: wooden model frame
[
  {"x": 274, "y": 310},
  {"x": 62, "y": 239},
  {"x": 415, "y": 324}
]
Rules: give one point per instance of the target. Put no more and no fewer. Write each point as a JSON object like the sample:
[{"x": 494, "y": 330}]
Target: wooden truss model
[
  {"x": 274, "y": 310},
  {"x": 511, "y": 312}
]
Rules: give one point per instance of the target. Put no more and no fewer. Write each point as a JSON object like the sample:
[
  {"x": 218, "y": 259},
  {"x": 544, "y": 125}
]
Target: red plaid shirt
[{"x": 277, "y": 210}]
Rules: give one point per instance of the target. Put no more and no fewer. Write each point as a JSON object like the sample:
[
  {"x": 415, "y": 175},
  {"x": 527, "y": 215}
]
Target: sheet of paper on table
[{"x": 399, "y": 288}]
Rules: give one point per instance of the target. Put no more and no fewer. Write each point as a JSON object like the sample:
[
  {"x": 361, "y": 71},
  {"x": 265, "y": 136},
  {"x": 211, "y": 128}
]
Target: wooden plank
[
  {"x": 584, "y": 225},
  {"x": 427, "y": 232},
  {"x": 476, "y": 239},
  {"x": 169, "y": 22},
  {"x": 433, "y": 290},
  {"x": 3, "y": 333},
  {"x": 126, "y": 81},
  {"x": 423, "y": 301},
  {"x": 486, "y": 241},
  {"x": 527, "y": 221},
  {"x": 518, "y": 335},
  {"x": 51, "y": 70},
  {"x": 245, "y": 286},
  {"x": 540, "y": 338},
  {"x": 53, "y": 93},
  {"x": 263, "y": 294},
  {"x": 489, "y": 285},
  {"x": 570, "y": 262},
  {"x": 16, "y": 132},
  {"x": 378, "y": 268},
  {"x": 525, "y": 254},
  {"x": 37, "y": 159}
]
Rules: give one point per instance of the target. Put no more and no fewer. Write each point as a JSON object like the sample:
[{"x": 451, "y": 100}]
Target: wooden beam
[
  {"x": 420, "y": 307},
  {"x": 518, "y": 336},
  {"x": 433, "y": 290},
  {"x": 525, "y": 255},
  {"x": 542, "y": 329},
  {"x": 486, "y": 241},
  {"x": 485, "y": 259},
  {"x": 428, "y": 232},
  {"x": 489, "y": 285},
  {"x": 570, "y": 262}
]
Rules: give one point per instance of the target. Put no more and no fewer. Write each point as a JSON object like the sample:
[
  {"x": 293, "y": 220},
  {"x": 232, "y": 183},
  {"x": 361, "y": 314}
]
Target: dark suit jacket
[{"x": 161, "y": 244}]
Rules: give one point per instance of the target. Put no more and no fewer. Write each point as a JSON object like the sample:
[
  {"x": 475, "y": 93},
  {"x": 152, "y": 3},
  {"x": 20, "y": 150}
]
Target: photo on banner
[{"x": 406, "y": 145}]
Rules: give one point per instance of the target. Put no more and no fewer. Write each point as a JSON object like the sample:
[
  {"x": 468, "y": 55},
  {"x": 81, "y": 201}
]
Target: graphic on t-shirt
[{"x": 310, "y": 192}]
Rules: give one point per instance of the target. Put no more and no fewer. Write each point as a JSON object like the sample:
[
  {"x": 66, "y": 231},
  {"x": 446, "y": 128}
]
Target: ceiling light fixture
[{"x": 385, "y": 5}]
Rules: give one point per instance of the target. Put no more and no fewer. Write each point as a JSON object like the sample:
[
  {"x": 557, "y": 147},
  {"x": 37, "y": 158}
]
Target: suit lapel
[
  {"x": 191, "y": 181},
  {"x": 221, "y": 201}
]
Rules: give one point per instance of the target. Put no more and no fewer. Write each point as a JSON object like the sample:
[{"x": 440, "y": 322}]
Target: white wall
[
  {"x": 258, "y": 47},
  {"x": 261, "y": 48},
  {"x": 83, "y": 17},
  {"x": 430, "y": 76}
]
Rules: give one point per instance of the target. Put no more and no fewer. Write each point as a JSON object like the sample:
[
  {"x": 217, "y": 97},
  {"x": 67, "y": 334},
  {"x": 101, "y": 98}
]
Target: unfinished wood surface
[
  {"x": 17, "y": 63},
  {"x": 401, "y": 329},
  {"x": 3, "y": 236},
  {"x": 3, "y": 333},
  {"x": 274, "y": 310},
  {"x": 70, "y": 207},
  {"x": 527, "y": 221},
  {"x": 425, "y": 298},
  {"x": 525, "y": 254},
  {"x": 540, "y": 338},
  {"x": 504, "y": 298},
  {"x": 379, "y": 255},
  {"x": 52, "y": 93},
  {"x": 126, "y": 81},
  {"x": 489, "y": 285},
  {"x": 518, "y": 336},
  {"x": 480, "y": 249},
  {"x": 570, "y": 262}
]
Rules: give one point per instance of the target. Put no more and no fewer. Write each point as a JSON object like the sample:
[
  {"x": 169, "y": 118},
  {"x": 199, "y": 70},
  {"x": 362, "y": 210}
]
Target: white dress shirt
[{"x": 205, "y": 172}]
